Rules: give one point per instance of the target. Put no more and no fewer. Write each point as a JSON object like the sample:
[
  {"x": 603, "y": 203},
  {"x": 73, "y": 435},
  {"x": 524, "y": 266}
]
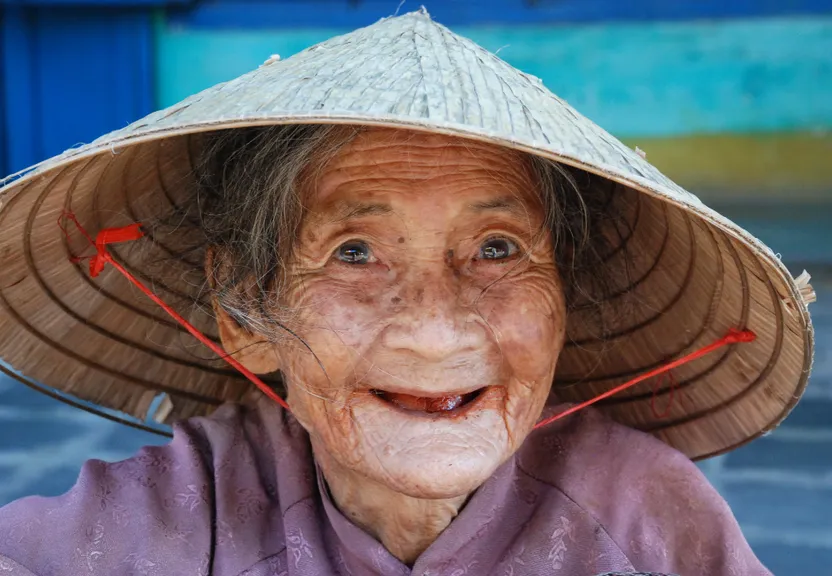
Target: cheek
[
  {"x": 338, "y": 322},
  {"x": 528, "y": 315},
  {"x": 328, "y": 309}
]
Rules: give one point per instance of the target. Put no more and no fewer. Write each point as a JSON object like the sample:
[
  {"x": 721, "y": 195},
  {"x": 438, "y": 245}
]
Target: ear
[{"x": 253, "y": 351}]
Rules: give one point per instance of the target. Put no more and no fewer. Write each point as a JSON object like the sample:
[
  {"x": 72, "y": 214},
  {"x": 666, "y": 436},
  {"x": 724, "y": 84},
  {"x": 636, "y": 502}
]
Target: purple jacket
[{"x": 239, "y": 494}]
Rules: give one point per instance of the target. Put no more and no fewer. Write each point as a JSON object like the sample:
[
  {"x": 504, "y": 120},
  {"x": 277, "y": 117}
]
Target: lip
[{"x": 482, "y": 392}]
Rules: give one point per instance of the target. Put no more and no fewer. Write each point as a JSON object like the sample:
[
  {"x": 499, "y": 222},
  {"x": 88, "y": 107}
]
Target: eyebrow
[
  {"x": 505, "y": 203},
  {"x": 354, "y": 210},
  {"x": 351, "y": 210}
]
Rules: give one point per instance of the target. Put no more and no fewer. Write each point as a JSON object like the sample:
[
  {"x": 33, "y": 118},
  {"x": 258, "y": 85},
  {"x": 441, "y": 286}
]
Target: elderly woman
[{"x": 422, "y": 267}]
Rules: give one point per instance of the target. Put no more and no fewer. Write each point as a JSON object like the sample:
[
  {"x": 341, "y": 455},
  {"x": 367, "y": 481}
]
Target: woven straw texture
[{"x": 695, "y": 274}]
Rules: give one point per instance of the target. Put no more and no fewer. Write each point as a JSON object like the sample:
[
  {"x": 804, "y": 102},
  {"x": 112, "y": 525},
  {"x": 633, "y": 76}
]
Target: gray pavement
[{"x": 780, "y": 486}]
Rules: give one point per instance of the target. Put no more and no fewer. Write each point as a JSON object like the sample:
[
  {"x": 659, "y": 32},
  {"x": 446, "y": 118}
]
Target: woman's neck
[{"x": 405, "y": 525}]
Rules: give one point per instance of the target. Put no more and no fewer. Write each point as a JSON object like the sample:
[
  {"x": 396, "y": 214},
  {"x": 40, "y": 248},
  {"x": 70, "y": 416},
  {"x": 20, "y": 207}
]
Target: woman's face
[{"x": 429, "y": 307}]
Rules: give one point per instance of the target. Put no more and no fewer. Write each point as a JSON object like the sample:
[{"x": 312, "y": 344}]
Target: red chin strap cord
[
  {"x": 103, "y": 257},
  {"x": 133, "y": 232}
]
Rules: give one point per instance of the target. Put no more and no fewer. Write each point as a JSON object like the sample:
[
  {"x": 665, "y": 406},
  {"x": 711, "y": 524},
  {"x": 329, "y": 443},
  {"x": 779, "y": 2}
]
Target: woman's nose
[{"x": 435, "y": 321}]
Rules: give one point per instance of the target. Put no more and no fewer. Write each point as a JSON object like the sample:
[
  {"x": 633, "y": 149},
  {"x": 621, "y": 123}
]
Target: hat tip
[{"x": 422, "y": 12}]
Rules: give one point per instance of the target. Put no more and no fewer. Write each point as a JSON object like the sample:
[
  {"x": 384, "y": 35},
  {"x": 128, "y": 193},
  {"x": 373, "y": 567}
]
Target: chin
[
  {"x": 434, "y": 476},
  {"x": 432, "y": 457}
]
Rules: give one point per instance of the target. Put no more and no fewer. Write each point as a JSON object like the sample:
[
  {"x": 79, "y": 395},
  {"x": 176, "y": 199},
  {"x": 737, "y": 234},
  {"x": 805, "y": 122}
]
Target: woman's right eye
[{"x": 354, "y": 252}]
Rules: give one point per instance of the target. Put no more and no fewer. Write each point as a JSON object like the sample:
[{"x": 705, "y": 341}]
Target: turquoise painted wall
[{"x": 635, "y": 80}]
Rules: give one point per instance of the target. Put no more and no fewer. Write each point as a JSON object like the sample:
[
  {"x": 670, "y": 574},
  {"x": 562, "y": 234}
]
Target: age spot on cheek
[
  {"x": 449, "y": 258},
  {"x": 449, "y": 262},
  {"x": 395, "y": 300},
  {"x": 401, "y": 240}
]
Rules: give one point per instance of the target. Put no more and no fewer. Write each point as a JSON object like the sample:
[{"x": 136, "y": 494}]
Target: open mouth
[{"x": 430, "y": 405}]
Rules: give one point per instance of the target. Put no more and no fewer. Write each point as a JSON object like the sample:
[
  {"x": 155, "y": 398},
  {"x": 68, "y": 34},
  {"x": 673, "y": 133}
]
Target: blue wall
[
  {"x": 70, "y": 75},
  {"x": 288, "y": 14}
]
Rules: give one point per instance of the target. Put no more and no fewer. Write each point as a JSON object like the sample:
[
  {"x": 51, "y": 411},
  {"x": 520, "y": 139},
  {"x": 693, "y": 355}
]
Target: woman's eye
[
  {"x": 497, "y": 249},
  {"x": 354, "y": 253}
]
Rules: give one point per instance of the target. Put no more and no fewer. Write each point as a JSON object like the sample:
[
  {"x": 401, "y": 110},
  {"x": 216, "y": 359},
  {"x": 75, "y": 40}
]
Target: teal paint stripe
[{"x": 635, "y": 80}]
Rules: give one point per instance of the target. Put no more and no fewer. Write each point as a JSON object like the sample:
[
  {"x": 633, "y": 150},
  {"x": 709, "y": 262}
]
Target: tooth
[
  {"x": 421, "y": 404},
  {"x": 444, "y": 403}
]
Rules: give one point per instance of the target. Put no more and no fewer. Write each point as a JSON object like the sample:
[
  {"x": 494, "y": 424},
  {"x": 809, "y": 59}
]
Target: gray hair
[{"x": 250, "y": 211}]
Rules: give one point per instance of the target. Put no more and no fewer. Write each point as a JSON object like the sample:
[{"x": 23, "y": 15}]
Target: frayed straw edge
[{"x": 807, "y": 293}]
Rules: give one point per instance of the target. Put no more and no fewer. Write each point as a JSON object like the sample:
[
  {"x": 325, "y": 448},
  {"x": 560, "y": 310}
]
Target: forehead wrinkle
[
  {"x": 417, "y": 156},
  {"x": 460, "y": 167}
]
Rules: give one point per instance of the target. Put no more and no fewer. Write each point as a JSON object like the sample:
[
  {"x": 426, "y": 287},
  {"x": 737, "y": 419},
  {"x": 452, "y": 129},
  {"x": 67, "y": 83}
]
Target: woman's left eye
[
  {"x": 354, "y": 252},
  {"x": 497, "y": 249}
]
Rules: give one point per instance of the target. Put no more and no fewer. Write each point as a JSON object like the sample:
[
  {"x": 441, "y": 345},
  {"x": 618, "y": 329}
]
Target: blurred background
[{"x": 731, "y": 98}]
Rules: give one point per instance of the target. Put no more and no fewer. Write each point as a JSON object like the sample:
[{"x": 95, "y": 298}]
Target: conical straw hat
[{"x": 696, "y": 274}]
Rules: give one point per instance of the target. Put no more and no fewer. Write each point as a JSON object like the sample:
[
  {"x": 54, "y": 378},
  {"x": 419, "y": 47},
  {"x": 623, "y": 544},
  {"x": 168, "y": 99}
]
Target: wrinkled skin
[{"x": 449, "y": 287}]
